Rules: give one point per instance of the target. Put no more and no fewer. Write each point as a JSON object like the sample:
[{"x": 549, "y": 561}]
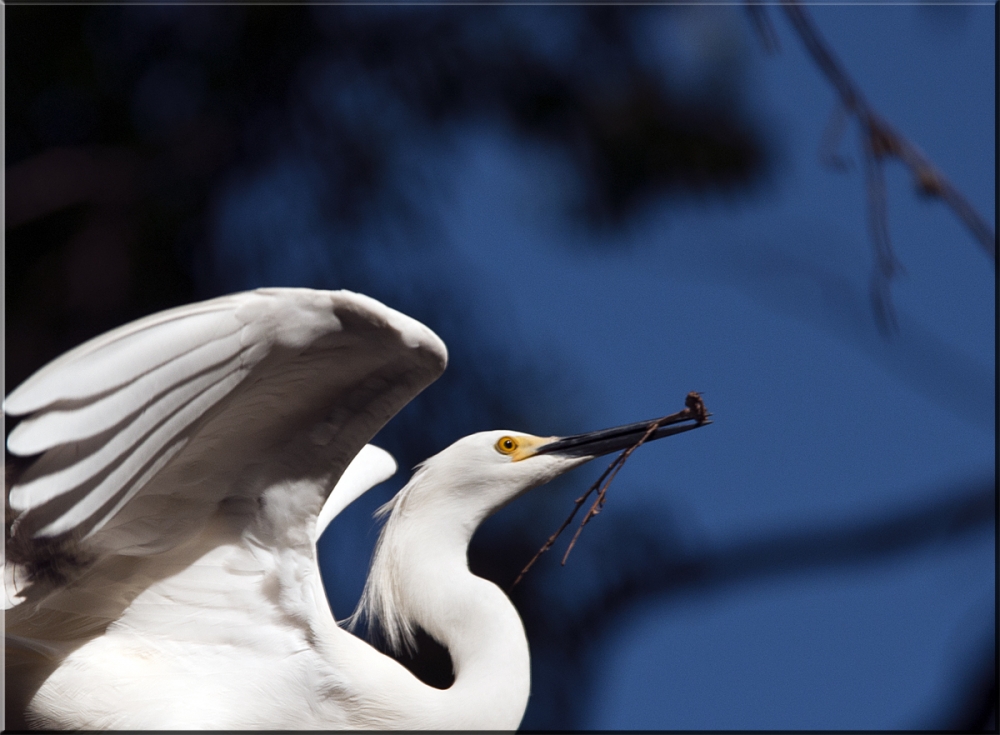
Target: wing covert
[{"x": 142, "y": 431}]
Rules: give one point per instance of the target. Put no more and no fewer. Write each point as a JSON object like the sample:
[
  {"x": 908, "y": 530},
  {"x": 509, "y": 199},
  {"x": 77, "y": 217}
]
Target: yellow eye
[{"x": 507, "y": 445}]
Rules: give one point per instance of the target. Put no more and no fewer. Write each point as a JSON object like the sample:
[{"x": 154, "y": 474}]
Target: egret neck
[{"x": 420, "y": 577}]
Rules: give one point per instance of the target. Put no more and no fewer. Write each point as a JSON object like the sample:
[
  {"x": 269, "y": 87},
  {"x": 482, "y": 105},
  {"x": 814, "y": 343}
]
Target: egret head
[
  {"x": 480, "y": 473},
  {"x": 451, "y": 493}
]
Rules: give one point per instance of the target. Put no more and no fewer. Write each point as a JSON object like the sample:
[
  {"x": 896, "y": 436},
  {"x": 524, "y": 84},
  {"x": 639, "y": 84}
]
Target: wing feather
[
  {"x": 120, "y": 356},
  {"x": 129, "y": 446},
  {"x": 147, "y": 457},
  {"x": 194, "y": 404},
  {"x": 75, "y": 421},
  {"x": 372, "y": 466}
]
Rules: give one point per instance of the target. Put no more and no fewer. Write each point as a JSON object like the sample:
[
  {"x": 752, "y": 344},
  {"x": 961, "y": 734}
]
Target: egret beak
[{"x": 605, "y": 441}]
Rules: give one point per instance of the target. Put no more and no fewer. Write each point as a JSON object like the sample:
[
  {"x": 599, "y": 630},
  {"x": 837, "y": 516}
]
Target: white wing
[
  {"x": 368, "y": 469},
  {"x": 180, "y": 477},
  {"x": 143, "y": 431}
]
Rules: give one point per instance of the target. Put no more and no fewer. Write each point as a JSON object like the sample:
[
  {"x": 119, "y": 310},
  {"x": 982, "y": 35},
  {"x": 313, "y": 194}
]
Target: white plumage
[{"x": 161, "y": 565}]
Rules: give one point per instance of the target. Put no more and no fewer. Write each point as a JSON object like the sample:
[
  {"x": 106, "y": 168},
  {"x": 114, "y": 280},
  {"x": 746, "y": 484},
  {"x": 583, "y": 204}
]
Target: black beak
[{"x": 596, "y": 443}]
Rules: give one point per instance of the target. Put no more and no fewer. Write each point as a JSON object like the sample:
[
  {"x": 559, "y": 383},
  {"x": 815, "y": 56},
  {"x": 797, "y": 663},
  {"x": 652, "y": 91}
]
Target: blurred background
[{"x": 599, "y": 209}]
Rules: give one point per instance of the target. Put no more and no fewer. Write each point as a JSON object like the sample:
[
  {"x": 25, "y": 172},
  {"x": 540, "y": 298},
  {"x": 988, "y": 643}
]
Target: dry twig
[
  {"x": 881, "y": 141},
  {"x": 762, "y": 25},
  {"x": 694, "y": 410},
  {"x": 832, "y": 134}
]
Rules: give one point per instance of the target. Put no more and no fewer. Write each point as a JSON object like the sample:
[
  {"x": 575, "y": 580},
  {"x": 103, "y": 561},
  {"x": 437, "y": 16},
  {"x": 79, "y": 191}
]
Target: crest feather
[{"x": 382, "y": 603}]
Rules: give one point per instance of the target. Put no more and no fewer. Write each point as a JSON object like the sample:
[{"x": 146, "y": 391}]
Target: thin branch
[
  {"x": 765, "y": 28},
  {"x": 694, "y": 410},
  {"x": 552, "y": 539},
  {"x": 886, "y": 264},
  {"x": 830, "y": 141},
  {"x": 598, "y": 504},
  {"x": 881, "y": 141}
]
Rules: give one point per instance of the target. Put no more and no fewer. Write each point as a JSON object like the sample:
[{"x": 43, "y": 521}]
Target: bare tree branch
[
  {"x": 884, "y": 137},
  {"x": 881, "y": 140},
  {"x": 764, "y": 27},
  {"x": 834, "y": 131},
  {"x": 886, "y": 263}
]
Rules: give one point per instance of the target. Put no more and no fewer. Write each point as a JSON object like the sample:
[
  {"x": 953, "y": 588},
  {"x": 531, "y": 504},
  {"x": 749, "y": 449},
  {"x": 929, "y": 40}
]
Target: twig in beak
[{"x": 694, "y": 409}]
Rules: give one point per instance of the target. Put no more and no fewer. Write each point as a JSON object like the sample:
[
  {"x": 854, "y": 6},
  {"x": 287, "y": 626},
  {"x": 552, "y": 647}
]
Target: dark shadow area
[{"x": 642, "y": 560}]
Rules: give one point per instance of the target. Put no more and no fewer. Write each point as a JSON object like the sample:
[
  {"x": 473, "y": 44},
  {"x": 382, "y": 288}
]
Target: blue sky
[
  {"x": 817, "y": 417},
  {"x": 760, "y": 302}
]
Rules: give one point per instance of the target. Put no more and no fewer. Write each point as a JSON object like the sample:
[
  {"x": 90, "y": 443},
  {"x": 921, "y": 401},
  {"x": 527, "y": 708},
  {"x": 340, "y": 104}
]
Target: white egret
[{"x": 161, "y": 564}]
